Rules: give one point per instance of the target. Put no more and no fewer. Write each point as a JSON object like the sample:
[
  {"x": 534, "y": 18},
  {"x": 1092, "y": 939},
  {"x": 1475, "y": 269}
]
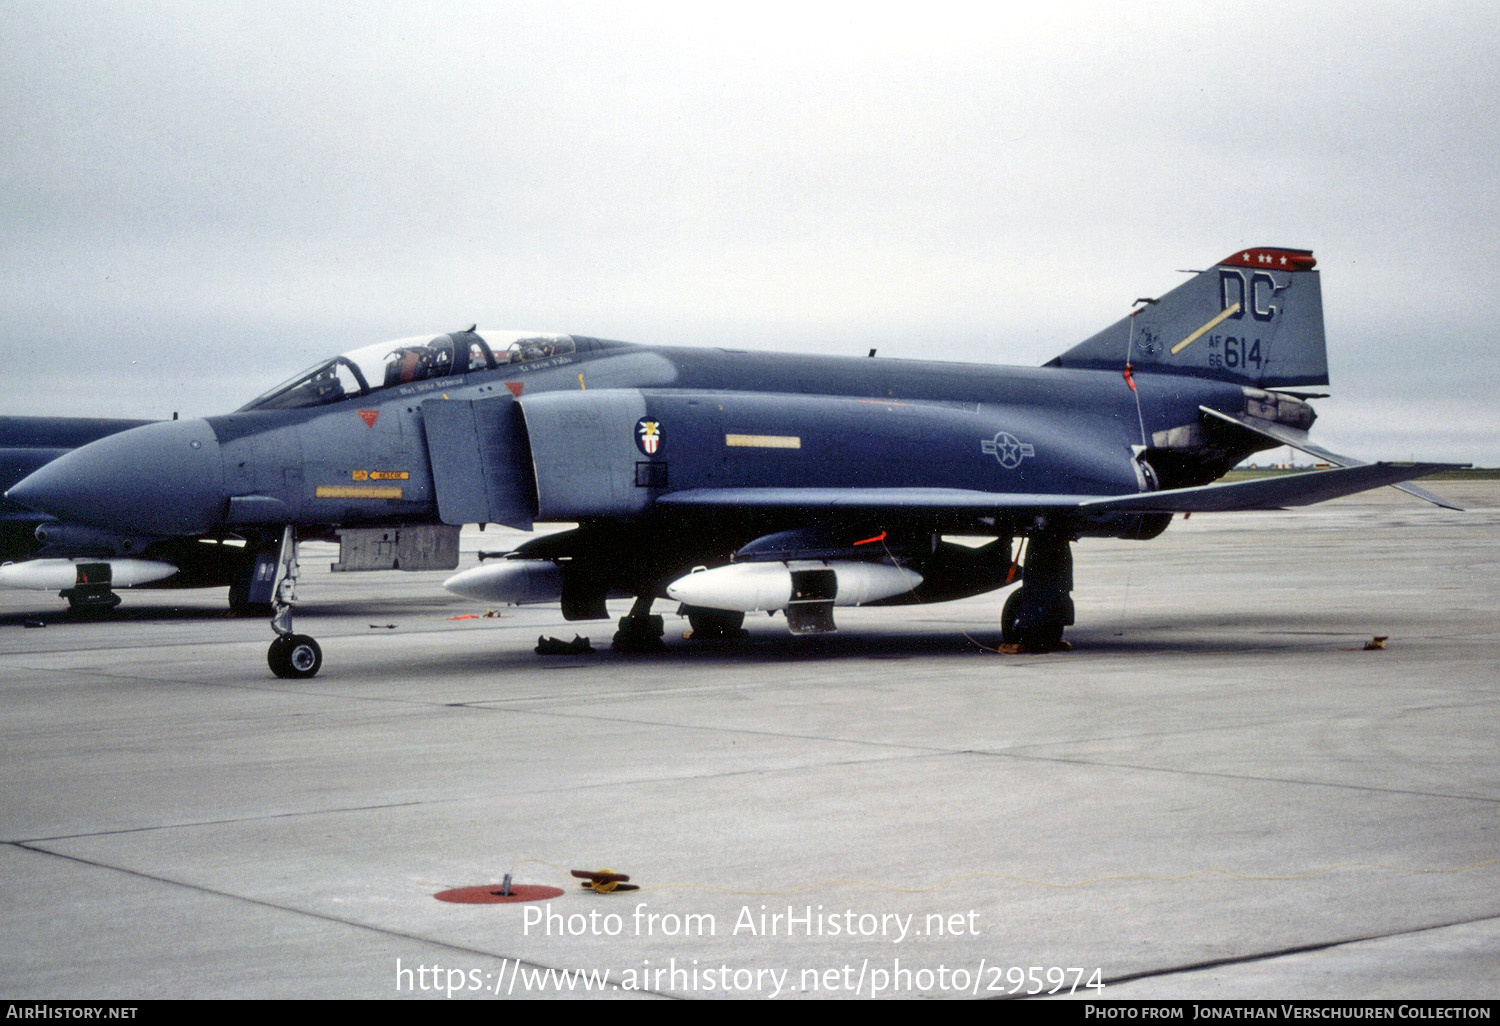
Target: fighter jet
[
  {"x": 83, "y": 564},
  {"x": 733, "y": 481}
]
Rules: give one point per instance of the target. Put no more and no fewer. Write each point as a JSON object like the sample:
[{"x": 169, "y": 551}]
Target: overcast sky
[{"x": 200, "y": 199}]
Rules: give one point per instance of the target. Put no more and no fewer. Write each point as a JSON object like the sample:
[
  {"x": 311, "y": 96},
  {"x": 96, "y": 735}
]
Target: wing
[{"x": 1266, "y": 493}]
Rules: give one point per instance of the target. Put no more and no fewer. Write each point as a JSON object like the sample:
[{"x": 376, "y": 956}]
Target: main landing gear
[
  {"x": 1036, "y": 614},
  {"x": 642, "y": 632},
  {"x": 291, "y": 656},
  {"x": 639, "y": 630}
]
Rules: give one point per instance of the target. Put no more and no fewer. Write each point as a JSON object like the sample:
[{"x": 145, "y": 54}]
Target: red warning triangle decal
[{"x": 368, "y": 416}]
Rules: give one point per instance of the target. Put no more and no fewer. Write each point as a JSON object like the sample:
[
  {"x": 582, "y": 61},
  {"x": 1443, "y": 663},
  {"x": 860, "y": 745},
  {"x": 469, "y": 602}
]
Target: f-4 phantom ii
[
  {"x": 81, "y": 563},
  {"x": 733, "y": 481}
]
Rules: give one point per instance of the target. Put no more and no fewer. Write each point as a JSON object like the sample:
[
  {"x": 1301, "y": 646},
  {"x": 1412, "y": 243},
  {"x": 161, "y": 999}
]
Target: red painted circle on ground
[{"x": 489, "y": 894}]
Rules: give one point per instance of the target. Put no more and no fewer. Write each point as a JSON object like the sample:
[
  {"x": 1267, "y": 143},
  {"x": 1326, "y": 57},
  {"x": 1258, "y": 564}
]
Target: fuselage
[{"x": 362, "y": 453}]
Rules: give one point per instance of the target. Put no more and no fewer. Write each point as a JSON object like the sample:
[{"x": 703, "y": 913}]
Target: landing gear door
[{"x": 481, "y": 464}]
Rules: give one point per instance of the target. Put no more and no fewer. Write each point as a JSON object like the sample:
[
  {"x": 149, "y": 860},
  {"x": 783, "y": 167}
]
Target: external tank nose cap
[{"x": 159, "y": 479}]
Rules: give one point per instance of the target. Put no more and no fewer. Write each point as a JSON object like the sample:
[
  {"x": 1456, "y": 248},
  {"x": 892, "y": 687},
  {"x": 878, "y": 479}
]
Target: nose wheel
[{"x": 294, "y": 656}]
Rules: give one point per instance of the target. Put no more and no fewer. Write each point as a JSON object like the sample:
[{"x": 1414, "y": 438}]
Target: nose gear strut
[{"x": 291, "y": 656}]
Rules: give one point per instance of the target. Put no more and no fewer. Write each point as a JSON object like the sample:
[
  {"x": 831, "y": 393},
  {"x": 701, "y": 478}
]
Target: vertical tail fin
[{"x": 1255, "y": 318}]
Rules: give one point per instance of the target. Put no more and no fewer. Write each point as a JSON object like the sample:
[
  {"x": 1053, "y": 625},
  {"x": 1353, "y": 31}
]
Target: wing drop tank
[
  {"x": 747, "y": 587},
  {"x": 513, "y": 582},
  {"x": 57, "y": 574}
]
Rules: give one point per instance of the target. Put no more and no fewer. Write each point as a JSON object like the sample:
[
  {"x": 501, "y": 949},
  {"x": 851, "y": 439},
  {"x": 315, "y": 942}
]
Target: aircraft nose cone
[{"x": 161, "y": 479}]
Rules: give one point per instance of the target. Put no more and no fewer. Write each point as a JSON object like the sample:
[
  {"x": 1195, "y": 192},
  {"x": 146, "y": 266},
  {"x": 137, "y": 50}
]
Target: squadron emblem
[
  {"x": 648, "y": 435},
  {"x": 1007, "y": 449}
]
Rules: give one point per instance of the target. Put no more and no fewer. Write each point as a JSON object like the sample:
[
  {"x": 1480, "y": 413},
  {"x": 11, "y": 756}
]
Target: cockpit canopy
[{"x": 407, "y": 360}]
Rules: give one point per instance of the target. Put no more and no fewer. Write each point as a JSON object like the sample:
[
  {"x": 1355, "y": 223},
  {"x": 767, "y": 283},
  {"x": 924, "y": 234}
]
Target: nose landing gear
[{"x": 291, "y": 656}]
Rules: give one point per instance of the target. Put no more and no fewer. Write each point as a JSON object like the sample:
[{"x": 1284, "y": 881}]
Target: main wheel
[
  {"x": 716, "y": 623},
  {"x": 294, "y": 656},
  {"x": 86, "y": 603},
  {"x": 639, "y": 634},
  {"x": 1008, "y": 614},
  {"x": 1042, "y": 634}
]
